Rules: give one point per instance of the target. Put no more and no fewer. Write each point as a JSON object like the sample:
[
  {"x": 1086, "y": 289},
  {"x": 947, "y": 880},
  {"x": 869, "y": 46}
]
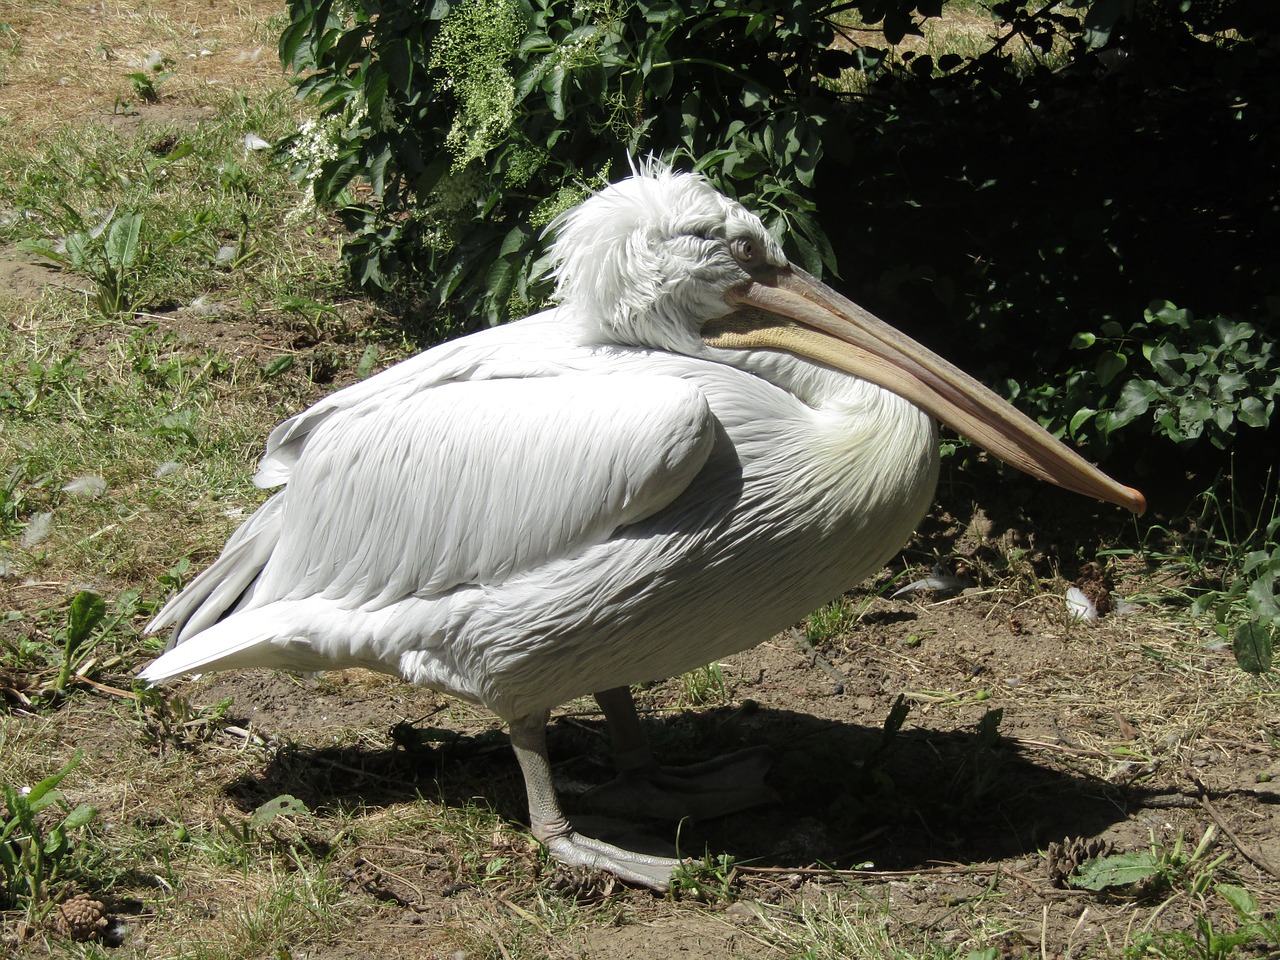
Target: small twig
[
  {"x": 818, "y": 658},
  {"x": 383, "y": 871},
  {"x": 952, "y": 870},
  {"x": 1257, "y": 859},
  {"x": 1062, "y": 736},
  {"x": 1061, "y": 748},
  {"x": 242, "y": 734},
  {"x": 103, "y": 688}
]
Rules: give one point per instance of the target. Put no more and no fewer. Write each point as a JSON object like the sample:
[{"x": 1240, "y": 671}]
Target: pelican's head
[
  {"x": 648, "y": 260},
  {"x": 663, "y": 260}
]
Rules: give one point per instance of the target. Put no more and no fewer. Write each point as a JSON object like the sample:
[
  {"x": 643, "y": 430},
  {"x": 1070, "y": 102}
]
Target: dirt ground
[
  {"x": 1101, "y": 736},
  {"x": 1025, "y": 729},
  {"x": 1127, "y": 731}
]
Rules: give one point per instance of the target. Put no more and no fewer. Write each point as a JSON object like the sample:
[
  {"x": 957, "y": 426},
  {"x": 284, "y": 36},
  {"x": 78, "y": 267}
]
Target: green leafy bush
[
  {"x": 1173, "y": 374},
  {"x": 473, "y": 124},
  {"x": 1079, "y": 159}
]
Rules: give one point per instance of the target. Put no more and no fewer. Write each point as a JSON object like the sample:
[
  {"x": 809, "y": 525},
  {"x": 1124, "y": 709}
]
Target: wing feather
[
  {"x": 411, "y": 493},
  {"x": 225, "y": 583},
  {"x": 475, "y": 481},
  {"x": 517, "y": 349}
]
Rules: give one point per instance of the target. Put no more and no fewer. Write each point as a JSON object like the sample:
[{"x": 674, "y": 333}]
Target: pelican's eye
[{"x": 747, "y": 252}]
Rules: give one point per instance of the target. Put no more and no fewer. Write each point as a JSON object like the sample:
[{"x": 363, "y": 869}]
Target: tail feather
[
  {"x": 224, "y": 586},
  {"x": 251, "y": 638}
]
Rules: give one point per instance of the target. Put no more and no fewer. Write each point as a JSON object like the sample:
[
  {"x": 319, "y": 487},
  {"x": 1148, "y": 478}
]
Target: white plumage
[{"x": 667, "y": 468}]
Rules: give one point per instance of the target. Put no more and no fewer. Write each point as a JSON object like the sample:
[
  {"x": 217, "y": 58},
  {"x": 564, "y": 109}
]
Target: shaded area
[
  {"x": 850, "y": 794},
  {"x": 998, "y": 214}
]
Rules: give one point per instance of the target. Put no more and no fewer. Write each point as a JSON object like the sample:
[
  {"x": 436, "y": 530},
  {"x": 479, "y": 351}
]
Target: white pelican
[{"x": 699, "y": 445}]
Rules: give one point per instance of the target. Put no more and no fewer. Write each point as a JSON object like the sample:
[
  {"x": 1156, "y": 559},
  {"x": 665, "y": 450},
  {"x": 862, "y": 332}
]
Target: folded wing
[{"x": 466, "y": 483}]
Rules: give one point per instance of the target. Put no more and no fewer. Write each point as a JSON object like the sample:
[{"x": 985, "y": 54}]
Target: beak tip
[{"x": 1137, "y": 502}]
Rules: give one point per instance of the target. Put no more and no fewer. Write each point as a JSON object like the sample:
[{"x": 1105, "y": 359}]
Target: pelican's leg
[
  {"x": 552, "y": 828},
  {"x": 713, "y": 788}
]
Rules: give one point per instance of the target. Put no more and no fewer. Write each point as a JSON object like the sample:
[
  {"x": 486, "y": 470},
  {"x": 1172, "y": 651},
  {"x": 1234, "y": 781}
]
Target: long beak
[{"x": 800, "y": 314}]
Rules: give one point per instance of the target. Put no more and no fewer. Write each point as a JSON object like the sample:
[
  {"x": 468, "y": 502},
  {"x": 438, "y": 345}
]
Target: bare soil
[{"x": 1121, "y": 731}]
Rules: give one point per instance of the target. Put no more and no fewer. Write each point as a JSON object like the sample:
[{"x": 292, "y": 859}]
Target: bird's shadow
[{"x": 848, "y": 794}]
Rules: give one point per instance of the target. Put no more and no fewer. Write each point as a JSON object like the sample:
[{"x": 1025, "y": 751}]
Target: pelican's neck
[
  {"x": 874, "y": 452},
  {"x": 813, "y": 384}
]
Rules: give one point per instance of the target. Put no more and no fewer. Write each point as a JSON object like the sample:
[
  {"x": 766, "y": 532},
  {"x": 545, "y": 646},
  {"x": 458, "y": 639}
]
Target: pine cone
[
  {"x": 1066, "y": 857},
  {"x": 80, "y": 918}
]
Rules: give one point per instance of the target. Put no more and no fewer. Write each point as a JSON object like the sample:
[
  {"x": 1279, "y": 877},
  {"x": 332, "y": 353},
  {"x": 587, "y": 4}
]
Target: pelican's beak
[{"x": 795, "y": 312}]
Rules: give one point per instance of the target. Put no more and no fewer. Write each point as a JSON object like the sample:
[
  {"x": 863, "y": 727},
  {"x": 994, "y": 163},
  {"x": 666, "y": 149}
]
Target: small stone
[{"x": 743, "y": 910}]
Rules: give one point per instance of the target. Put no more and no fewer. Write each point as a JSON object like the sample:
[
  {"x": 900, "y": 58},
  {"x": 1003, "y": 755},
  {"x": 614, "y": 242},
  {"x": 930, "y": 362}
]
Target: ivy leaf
[
  {"x": 1109, "y": 366},
  {"x": 1083, "y": 340},
  {"x": 1169, "y": 364},
  {"x": 1252, "y": 412},
  {"x": 1164, "y": 313},
  {"x": 1134, "y": 402},
  {"x": 1079, "y": 419}
]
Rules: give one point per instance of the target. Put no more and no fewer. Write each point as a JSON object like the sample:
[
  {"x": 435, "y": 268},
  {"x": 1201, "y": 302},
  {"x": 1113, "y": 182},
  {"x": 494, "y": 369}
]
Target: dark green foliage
[
  {"x": 475, "y": 123},
  {"x": 1021, "y": 217},
  {"x": 1181, "y": 377},
  {"x": 1018, "y": 208}
]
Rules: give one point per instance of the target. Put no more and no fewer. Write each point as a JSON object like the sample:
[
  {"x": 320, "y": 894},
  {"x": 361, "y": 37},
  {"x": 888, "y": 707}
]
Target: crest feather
[{"x": 599, "y": 244}]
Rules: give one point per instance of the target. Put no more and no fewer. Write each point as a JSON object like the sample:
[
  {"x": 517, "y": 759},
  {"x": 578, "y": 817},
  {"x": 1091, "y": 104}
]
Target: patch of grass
[
  {"x": 710, "y": 879},
  {"x": 280, "y": 910},
  {"x": 484, "y": 850},
  {"x": 189, "y": 192},
  {"x": 853, "y": 924},
  {"x": 63, "y": 648},
  {"x": 109, "y": 374},
  {"x": 704, "y": 686},
  {"x": 1223, "y": 562},
  {"x": 830, "y": 621}
]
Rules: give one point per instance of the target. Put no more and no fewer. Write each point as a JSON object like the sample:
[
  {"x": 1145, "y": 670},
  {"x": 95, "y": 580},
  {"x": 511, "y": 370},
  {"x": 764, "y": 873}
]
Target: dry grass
[{"x": 67, "y": 62}]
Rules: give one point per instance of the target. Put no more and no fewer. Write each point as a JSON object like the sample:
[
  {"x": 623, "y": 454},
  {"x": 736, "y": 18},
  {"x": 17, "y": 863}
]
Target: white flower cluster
[
  {"x": 319, "y": 138},
  {"x": 316, "y": 145},
  {"x": 580, "y": 51}
]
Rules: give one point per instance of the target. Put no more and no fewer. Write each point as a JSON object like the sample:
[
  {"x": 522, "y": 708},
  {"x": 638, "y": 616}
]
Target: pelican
[{"x": 696, "y": 447}]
